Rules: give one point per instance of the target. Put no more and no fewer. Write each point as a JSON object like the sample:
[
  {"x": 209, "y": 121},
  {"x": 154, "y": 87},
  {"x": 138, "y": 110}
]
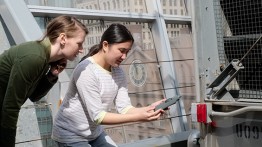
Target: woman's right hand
[
  {"x": 149, "y": 114},
  {"x": 58, "y": 66}
]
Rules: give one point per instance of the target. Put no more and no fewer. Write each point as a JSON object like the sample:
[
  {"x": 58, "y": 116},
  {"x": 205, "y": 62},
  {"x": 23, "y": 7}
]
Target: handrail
[{"x": 236, "y": 112}]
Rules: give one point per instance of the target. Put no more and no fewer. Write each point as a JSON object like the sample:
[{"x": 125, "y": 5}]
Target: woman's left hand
[
  {"x": 158, "y": 102},
  {"x": 151, "y": 114}
]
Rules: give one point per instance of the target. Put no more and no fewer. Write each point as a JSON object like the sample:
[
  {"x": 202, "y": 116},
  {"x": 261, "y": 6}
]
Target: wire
[
  {"x": 160, "y": 73},
  {"x": 177, "y": 116},
  {"x": 149, "y": 62},
  {"x": 160, "y": 61},
  {"x": 30, "y": 140},
  {"x": 160, "y": 89},
  {"x": 249, "y": 50},
  {"x": 164, "y": 118}
]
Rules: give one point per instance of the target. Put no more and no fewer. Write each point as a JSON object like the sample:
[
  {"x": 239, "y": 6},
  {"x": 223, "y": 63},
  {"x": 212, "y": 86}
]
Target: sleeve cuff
[
  {"x": 51, "y": 78},
  {"x": 101, "y": 116},
  {"x": 124, "y": 111}
]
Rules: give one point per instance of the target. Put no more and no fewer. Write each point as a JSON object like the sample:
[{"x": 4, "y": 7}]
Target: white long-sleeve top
[{"x": 91, "y": 93}]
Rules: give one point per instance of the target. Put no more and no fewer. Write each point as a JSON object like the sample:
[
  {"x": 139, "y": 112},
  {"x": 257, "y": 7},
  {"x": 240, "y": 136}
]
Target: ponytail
[{"x": 93, "y": 50}]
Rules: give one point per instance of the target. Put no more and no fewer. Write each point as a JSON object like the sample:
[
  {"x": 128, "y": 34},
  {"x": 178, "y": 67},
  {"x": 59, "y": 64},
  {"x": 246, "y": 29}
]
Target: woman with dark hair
[
  {"x": 97, "y": 83},
  {"x": 29, "y": 70}
]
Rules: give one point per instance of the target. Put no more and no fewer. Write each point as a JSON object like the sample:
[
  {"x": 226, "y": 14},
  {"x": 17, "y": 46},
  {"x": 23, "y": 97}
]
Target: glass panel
[
  {"x": 138, "y": 6},
  {"x": 51, "y": 3},
  {"x": 34, "y": 126},
  {"x": 144, "y": 87},
  {"x": 45, "y": 123},
  {"x": 180, "y": 38},
  {"x": 176, "y": 7}
]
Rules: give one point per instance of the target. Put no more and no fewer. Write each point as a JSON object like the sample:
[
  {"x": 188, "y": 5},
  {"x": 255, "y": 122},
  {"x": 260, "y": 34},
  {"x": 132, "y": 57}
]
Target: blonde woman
[{"x": 29, "y": 70}]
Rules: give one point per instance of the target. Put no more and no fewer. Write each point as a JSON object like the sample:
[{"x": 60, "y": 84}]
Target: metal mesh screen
[{"x": 239, "y": 25}]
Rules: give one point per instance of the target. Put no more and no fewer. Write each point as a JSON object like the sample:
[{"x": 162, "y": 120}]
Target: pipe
[{"x": 236, "y": 112}]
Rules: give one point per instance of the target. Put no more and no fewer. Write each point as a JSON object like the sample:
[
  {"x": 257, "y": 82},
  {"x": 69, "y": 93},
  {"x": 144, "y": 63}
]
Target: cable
[
  {"x": 161, "y": 89},
  {"x": 177, "y": 116},
  {"x": 249, "y": 50},
  {"x": 147, "y": 62},
  {"x": 160, "y": 61},
  {"x": 31, "y": 140},
  {"x": 160, "y": 73},
  {"x": 127, "y": 124}
]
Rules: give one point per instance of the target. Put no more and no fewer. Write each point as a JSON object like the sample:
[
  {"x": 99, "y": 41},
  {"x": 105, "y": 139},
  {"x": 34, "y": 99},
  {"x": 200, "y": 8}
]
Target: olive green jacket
[{"x": 23, "y": 74}]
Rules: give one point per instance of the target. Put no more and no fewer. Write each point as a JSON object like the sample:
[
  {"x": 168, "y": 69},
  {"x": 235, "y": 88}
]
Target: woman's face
[
  {"x": 74, "y": 45},
  {"x": 117, "y": 52}
]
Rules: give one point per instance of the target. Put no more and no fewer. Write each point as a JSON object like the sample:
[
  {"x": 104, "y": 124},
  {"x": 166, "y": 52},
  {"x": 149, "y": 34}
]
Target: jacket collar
[{"x": 47, "y": 45}]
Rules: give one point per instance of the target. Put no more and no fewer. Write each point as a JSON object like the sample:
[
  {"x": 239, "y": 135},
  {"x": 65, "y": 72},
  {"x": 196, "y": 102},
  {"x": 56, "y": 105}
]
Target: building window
[
  {"x": 104, "y": 4},
  {"x": 170, "y": 2},
  {"x": 124, "y": 3},
  {"x": 164, "y": 2},
  {"x": 108, "y": 6},
  {"x": 164, "y": 11},
  {"x": 140, "y": 137},
  {"x": 118, "y": 4},
  {"x": 114, "y": 4},
  {"x": 181, "y": 3},
  {"x": 182, "y": 12},
  {"x": 140, "y": 2}
]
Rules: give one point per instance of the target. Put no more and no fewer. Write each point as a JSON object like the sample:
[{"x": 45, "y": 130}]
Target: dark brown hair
[{"x": 115, "y": 33}]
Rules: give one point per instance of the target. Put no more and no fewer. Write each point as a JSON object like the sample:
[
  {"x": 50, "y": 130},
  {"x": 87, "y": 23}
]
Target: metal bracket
[{"x": 218, "y": 86}]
